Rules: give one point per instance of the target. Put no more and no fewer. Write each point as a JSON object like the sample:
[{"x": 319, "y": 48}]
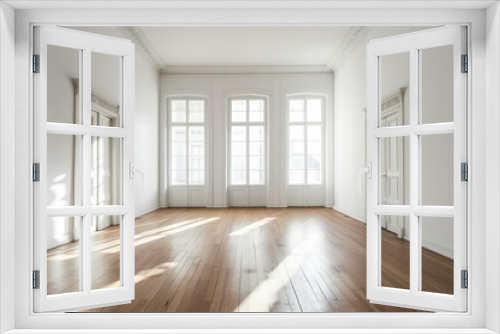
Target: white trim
[
  {"x": 349, "y": 213},
  {"x": 244, "y": 70},
  {"x": 141, "y": 212},
  {"x": 8, "y": 153},
  {"x": 242, "y": 4},
  {"x": 438, "y": 248},
  {"x": 136, "y": 35},
  {"x": 491, "y": 182},
  {"x": 257, "y": 331},
  {"x": 59, "y": 241},
  {"x": 353, "y": 39}
]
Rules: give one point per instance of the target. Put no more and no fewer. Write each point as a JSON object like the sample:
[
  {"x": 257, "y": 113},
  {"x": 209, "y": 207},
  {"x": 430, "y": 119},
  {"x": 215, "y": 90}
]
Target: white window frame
[
  {"x": 305, "y": 123},
  {"x": 186, "y": 124},
  {"x": 247, "y": 124},
  {"x": 485, "y": 236}
]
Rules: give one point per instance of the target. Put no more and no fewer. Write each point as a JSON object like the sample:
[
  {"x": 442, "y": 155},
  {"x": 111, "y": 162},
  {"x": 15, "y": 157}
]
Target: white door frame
[{"x": 338, "y": 16}]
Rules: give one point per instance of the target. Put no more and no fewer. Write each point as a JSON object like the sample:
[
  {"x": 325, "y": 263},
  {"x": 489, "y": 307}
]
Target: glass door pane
[{"x": 437, "y": 84}]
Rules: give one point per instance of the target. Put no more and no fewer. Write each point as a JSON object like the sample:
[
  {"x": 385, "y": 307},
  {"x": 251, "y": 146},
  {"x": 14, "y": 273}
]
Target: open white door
[
  {"x": 434, "y": 136},
  {"x": 75, "y": 74}
]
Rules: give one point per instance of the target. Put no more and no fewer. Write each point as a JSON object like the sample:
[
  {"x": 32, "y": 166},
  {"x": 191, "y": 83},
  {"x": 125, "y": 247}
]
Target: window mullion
[
  {"x": 415, "y": 173},
  {"x": 247, "y": 148},
  {"x": 188, "y": 140},
  {"x": 188, "y": 154},
  {"x": 306, "y": 152},
  {"x": 85, "y": 251}
]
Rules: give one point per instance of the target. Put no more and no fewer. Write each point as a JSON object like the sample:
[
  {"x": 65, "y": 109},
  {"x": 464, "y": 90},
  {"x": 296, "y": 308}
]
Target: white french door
[
  {"x": 75, "y": 73},
  {"x": 434, "y": 137}
]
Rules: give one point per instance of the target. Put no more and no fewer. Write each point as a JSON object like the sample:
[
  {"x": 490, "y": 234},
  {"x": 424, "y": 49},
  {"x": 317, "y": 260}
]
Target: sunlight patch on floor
[
  {"x": 262, "y": 298},
  {"x": 252, "y": 227}
]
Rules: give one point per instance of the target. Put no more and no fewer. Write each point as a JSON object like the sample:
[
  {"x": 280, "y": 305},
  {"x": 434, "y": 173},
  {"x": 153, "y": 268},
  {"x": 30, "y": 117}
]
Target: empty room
[
  {"x": 319, "y": 166},
  {"x": 256, "y": 169}
]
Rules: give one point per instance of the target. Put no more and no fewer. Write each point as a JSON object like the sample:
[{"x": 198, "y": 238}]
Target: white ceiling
[{"x": 242, "y": 46}]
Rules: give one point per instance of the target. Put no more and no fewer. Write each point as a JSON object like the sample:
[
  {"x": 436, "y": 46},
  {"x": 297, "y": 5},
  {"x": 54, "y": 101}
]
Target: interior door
[
  {"x": 435, "y": 141},
  {"x": 391, "y": 163},
  {"x": 74, "y": 73}
]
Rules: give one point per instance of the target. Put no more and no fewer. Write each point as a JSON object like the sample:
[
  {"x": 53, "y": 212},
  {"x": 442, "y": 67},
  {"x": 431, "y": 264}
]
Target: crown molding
[
  {"x": 221, "y": 70},
  {"x": 99, "y": 102},
  {"x": 353, "y": 39},
  {"x": 142, "y": 43}
]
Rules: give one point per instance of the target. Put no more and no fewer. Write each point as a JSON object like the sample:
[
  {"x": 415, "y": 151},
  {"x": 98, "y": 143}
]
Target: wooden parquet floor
[{"x": 251, "y": 260}]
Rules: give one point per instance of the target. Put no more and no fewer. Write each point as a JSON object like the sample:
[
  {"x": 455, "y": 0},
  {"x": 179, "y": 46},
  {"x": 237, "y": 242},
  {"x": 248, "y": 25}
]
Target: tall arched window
[
  {"x": 247, "y": 148},
  {"x": 306, "y": 140},
  {"x": 306, "y": 150},
  {"x": 187, "y": 149}
]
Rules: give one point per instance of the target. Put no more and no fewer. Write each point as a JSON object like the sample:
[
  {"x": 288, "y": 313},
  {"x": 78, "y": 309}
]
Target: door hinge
[
  {"x": 36, "y": 63},
  {"x": 465, "y": 64},
  {"x": 36, "y": 279},
  {"x": 36, "y": 172},
  {"x": 464, "y": 172},
  {"x": 465, "y": 279}
]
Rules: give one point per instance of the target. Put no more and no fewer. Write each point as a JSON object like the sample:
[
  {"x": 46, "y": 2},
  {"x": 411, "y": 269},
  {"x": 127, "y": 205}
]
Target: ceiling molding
[
  {"x": 220, "y": 70},
  {"x": 354, "y": 38},
  {"x": 143, "y": 45}
]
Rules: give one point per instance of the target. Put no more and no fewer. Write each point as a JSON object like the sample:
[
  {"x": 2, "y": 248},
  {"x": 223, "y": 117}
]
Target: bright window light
[
  {"x": 187, "y": 141},
  {"x": 247, "y": 141},
  {"x": 305, "y": 135}
]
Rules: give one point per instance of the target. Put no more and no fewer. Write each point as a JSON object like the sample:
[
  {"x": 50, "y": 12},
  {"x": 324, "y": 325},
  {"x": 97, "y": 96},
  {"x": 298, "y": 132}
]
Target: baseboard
[
  {"x": 145, "y": 211},
  {"x": 60, "y": 241},
  {"x": 349, "y": 213},
  {"x": 436, "y": 248}
]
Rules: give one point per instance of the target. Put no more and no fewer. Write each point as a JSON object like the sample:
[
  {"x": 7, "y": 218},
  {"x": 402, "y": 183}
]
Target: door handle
[
  {"x": 133, "y": 170},
  {"x": 365, "y": 170}
]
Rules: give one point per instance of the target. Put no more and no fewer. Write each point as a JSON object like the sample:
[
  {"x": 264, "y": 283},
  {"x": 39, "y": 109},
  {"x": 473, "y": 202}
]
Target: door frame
[{"x": 473, "y": 18}]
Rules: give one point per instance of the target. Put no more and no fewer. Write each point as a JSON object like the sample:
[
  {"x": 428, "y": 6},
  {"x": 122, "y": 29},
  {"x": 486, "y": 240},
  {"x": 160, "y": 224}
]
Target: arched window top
[{"x": 247, "y": 109}]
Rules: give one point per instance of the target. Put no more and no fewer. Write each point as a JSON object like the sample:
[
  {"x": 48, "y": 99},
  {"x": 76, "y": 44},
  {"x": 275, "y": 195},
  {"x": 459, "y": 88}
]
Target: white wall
[
  {"x": 218, "y": 88},
  {"x": 350, "y": 99},
  {"x": 105, "y": 80},
  {"x": 147, "y": 107}
]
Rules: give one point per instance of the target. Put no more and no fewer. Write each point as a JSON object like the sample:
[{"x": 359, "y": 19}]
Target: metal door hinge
[
  {"x": 465, "y": 279},
  {"x": 465, "y": 64},
  {"x": 464, "y": 172},
  {"x": 36, "y": 279},
  {"x": 36, "y": 172},
  {"x": 36, "y": 63}
]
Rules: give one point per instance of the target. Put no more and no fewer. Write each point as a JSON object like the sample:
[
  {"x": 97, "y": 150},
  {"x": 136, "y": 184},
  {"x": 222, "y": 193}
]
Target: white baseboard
[
  {"x": 59, "y": 241},
  {"x": 142, "y": 212},
  {"x": 353, "y": 215},
  {"x": 436, "y": 248}
]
